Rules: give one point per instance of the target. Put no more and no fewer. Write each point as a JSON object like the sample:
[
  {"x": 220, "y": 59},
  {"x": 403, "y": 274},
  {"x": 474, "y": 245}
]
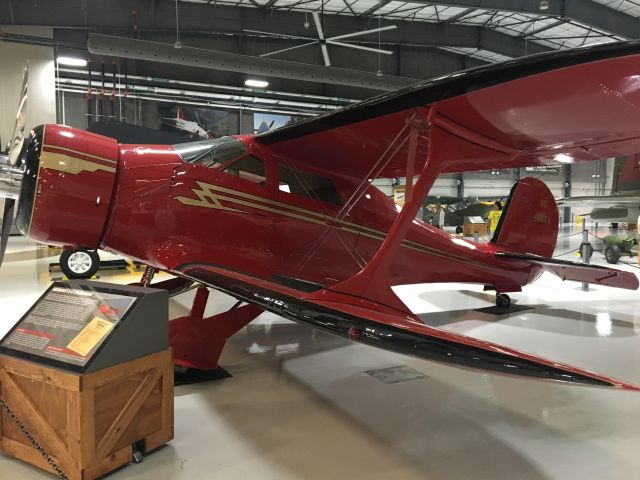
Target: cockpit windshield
[{"x": 210, "y": 153}]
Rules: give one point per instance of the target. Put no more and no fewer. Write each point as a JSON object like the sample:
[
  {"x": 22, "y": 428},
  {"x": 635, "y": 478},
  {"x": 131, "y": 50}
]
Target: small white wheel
[{"x": 79, "y": 263}]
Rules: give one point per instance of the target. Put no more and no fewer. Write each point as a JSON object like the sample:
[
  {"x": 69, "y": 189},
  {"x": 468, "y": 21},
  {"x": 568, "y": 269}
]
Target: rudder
[{"x": 529, "y": 223}]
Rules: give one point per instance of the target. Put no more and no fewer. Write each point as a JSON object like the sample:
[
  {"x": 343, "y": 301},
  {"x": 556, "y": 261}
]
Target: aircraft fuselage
[{"x": 147, "y": 203}]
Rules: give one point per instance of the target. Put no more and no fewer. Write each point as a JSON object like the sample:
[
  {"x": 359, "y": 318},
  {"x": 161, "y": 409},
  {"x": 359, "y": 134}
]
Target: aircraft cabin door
[
  {"x": 306, "y": 246},
  {"x": 227, "y": 218}
]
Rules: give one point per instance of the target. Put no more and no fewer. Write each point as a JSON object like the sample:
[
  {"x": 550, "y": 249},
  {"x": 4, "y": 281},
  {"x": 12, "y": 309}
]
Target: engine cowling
[{"x": 67, "y": 187}]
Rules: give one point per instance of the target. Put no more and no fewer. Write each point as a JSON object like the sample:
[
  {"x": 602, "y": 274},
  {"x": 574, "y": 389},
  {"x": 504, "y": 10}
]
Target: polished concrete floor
[{"x": 306, "y": 405}]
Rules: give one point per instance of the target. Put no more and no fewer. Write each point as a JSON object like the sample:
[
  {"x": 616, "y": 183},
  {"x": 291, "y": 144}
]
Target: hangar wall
[
  {"x": 144, "y": 113},
  {"x": 41, "y": 105}
]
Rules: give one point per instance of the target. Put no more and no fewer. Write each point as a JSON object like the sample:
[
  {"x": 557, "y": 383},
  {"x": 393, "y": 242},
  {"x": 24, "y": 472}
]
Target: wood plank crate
[
  {"x": 470, "y": 228},
  {"x": 86, "y": 423}
]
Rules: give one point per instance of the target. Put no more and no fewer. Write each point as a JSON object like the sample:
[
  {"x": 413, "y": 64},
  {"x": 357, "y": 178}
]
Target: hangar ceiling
[{"x": 431, "y": 38}]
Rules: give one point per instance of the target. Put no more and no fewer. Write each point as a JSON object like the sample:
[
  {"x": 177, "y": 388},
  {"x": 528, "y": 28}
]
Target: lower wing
[{"x": 406, "y": 335}]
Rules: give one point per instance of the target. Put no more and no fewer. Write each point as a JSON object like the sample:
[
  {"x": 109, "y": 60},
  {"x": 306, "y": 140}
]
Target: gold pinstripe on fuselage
[
  {"x": 70, "y": 164},
  {"x": 78, "y": 152},
  {"x": 212, "y": 196}
]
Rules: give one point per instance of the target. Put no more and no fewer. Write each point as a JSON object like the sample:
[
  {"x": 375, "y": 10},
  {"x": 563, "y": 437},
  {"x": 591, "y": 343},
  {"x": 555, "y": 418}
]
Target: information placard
[{"x": 68, "y": 324}]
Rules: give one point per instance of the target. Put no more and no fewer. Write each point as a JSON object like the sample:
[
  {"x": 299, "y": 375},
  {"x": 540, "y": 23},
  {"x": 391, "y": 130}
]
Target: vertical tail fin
[
  {"x": 626, "y": 174},
  {"x": 529, "y": 223}
]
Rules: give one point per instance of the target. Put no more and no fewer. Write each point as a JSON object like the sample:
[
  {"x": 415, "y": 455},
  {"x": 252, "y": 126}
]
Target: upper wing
[
  {"x": 604, "y": 201},
  {"x": 390, "y": 331},
  {"x": 558, "y": 107}
]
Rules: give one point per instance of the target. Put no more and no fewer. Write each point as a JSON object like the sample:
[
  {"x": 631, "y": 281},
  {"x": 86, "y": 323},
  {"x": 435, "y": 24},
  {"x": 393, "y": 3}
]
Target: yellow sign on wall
[{"x": 399, "y": 196}]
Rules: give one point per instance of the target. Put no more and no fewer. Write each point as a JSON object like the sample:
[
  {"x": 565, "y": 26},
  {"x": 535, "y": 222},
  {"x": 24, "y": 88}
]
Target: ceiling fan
[{"x": 324, "y": 41}]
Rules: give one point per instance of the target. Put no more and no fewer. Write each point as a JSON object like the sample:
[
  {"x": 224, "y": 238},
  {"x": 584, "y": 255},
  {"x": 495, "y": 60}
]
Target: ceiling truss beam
[
  {"x": 587, "y": 12},
  {"x": 196, "y": 17}
]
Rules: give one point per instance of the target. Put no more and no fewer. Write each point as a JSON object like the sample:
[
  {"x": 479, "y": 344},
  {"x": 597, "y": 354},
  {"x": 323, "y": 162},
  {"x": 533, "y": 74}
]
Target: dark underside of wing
[
  {"x": 395, "y": 333},
  {"x": 547, "y": 109}
]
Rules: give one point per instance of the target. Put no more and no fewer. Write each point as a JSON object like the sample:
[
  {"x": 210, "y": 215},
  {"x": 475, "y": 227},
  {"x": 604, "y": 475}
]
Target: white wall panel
[{"x": 41, "y": 106}]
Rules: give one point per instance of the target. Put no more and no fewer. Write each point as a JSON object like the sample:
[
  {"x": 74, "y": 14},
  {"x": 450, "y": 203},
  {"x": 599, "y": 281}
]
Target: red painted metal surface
[
  {"x": 242, "y": 225},
  {"x": 197, "y": 341},
  {"x": 522, "y": 232},
  {"x": 629, "y": 174},
  {"x": 586, "y": 111},
  {"x": 75, "y": 187}
]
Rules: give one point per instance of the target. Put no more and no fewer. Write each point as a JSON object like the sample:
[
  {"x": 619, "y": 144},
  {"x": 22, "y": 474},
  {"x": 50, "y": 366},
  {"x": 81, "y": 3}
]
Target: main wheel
[
  {"x": 79, "y": 263},
  {"x": 459, "y": 229},
  {"x": 503, "y": 300},
  {"x": 612, "y": 254}
]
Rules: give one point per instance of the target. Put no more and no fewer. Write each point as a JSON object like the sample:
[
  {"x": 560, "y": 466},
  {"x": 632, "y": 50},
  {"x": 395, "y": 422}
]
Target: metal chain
[{"x": 33, "y": 441}]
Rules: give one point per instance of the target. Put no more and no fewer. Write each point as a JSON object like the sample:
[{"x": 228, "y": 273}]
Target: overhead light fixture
[
  {"x": 563, "y": 158},
  {"x": 544, "y": 5},
  {"x": 251, "y": 82},
  {"x": 72, "y": 62}
]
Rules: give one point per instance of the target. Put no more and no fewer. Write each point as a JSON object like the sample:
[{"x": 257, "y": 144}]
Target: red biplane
[{"x": 287, "y": 221}]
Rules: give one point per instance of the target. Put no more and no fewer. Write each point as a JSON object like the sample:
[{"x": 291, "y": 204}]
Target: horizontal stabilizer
[{"x": 580, "y": 272}]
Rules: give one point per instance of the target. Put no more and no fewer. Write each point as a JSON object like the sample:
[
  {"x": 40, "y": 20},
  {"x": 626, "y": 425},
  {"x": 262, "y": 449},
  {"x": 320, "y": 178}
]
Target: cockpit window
[
  {"x": 249, "y": 168},
  {"x": 307, "y": 184},
  {"x": 211, "y": 153}
]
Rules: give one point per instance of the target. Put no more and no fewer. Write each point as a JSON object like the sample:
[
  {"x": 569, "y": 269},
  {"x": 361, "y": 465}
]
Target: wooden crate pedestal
[
  {"x": 86, "y": 422},
  {"x": 470, "y": 229}
]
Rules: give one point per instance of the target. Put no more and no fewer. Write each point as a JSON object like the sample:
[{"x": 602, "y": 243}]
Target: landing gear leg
[
  {"x": 147, "y": 276},
  {"x": 173, "y": 286},
  {"x": 503, "y": 300},
  {"x": 198, "y": 341}
]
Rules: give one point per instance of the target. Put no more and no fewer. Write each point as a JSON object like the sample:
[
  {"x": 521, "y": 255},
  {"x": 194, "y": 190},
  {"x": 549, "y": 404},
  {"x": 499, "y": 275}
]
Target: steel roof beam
[
  {"x": 233, "y": 62},
  {"x": 116, "y": 17},
  {"x": 533, "y": 33},
  {"x": 375, "y": 8},
  {"x": 584, "y": 11}
]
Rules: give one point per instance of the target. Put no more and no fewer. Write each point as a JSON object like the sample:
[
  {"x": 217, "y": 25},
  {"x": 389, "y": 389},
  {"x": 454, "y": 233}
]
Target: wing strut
[{"x": 372, "y": 282}]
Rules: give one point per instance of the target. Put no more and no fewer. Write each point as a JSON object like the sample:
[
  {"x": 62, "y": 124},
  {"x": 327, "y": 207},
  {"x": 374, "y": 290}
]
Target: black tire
[
  {"x": 79, "y": 263},
  {"x": 614, "y": 225},
  {"x": 503, "y": 300},
  {"x": 612, "y": 254},
  {"x": 459, "y": 229}
]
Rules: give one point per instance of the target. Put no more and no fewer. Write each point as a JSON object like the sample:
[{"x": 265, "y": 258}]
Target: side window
[
  {"x": 306, "y": 184},
  {"x": 208, "y": 160},
  {"x": 249, "y": 168}
]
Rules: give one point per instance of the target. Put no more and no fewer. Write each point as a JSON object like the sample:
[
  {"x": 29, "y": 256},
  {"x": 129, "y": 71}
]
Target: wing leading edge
[
  {"x": 391, "y": 332},
  {"x": 560, "y": 107}
]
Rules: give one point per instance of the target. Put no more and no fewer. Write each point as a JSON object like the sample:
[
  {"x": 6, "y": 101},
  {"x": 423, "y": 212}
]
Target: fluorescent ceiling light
[
  {"x": 563, "y": 158},
  {"x": 250, "y": 82},
  {"x": 72, "y": 62}
]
